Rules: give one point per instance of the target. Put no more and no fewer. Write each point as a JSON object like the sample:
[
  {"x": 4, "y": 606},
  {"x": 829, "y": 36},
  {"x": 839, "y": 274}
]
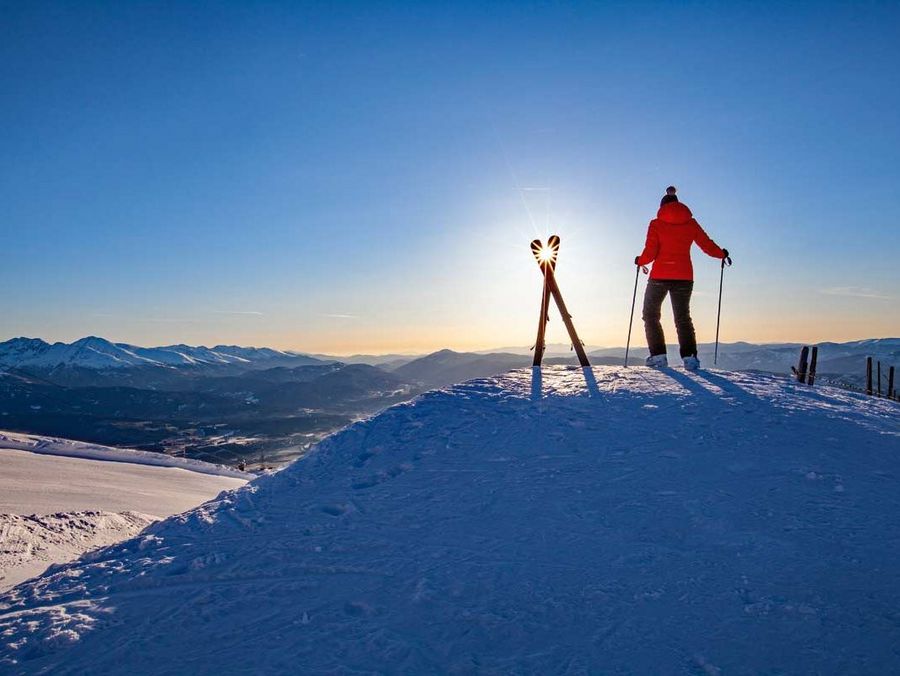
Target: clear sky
[{"x": 346, "y": 177}]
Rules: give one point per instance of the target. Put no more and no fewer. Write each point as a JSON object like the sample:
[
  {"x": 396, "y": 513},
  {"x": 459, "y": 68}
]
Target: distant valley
[{"x": 222, "y": 404}]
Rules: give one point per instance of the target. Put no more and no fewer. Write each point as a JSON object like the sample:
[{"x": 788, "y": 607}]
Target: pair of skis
[
  {"x": 546, "y": 260},
  {"x": 805, "y": 371}
]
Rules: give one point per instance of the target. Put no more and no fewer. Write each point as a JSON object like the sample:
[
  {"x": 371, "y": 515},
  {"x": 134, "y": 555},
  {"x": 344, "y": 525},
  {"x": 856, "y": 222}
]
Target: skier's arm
[
  {"x": 651, "y": 248},
  {"x": 704, "y": 241}
]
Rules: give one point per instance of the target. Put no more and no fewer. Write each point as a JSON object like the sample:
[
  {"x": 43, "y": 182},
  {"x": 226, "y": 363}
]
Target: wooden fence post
[
  {"x": 879, "y": 377},
  {"x": 891, "y": 382},
  {"x": 869, "y": 375},
  {"x": 803, "y": 365},
  {"x": 811, "y": 376}
]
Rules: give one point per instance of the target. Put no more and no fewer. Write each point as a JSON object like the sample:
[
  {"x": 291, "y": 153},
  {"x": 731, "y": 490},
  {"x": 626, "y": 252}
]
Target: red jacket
[{"x": 669, "y": 239}]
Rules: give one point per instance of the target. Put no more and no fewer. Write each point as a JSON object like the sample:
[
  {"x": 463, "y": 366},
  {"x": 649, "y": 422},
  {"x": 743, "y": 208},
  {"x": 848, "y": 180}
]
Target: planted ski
[{"x": 546, "y": 258}]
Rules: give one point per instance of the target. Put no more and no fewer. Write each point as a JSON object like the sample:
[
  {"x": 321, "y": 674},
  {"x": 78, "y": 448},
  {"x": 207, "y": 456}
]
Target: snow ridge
[
  {"x": 79, "y": 449},
  {"x": 555, "y": 522}
]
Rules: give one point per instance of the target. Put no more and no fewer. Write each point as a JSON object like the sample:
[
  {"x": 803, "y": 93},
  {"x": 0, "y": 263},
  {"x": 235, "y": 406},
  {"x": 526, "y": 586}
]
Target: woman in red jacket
[{"x": 669, "y": 239}]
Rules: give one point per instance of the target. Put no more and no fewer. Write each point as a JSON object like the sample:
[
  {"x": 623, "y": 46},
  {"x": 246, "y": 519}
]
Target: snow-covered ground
[
  {"x": 31, "y": 483},
  {"x": 80, "y": 449},
  {"x": 60, "y": 498},
  {"x": 608, "y": 521},
  {"x": 29, "y": 544}
]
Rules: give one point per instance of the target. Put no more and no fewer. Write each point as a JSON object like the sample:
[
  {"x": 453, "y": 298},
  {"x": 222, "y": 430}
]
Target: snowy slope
[
  {"x": 40, "y": 484},
  {"x": 614, "y": 521},
  {"x": 30, "y": 543},
  {"x": 80, "y": 449},
  {"x": 60, "y": 498}
]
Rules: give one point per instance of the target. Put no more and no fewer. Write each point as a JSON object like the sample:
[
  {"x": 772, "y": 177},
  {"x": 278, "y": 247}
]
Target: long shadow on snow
[
  {"x": 694, "y": 387},
  {"x": 727, "y": 386},
  {"x": 537, "y": 382},
  {"x": 591, "y": 380}
]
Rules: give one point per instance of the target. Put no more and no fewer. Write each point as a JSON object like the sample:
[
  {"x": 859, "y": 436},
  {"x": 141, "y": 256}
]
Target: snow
[
  {"x": 44, "y": 484},
  {"x": 93, "y": 352},
  {"x": 89, "y": 352},
  {"x": 556, "y": 522},
  {"x": 31, "y": 543},
  {"x": 78, "y": 449},
  {"x": 56, "y": 503}
]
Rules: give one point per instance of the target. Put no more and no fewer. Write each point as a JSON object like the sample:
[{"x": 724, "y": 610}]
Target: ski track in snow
[{"x": 557, "y": 522}]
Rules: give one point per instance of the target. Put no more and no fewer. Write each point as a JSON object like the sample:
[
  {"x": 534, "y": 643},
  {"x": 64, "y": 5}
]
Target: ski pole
[
  {"x": 725, "y": 258},
  {"x": 637, "y": 272}
]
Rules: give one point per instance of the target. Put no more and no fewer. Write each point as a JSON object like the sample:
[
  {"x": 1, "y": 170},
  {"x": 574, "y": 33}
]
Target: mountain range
[
  {"x": 441, "y": 367},
  {"x": 98, "y": 353},
  {"x": 224, "y": 404}
]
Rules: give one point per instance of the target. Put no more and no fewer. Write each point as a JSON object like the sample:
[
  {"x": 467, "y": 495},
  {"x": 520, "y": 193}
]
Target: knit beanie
[{"x": 670, "y": 196}]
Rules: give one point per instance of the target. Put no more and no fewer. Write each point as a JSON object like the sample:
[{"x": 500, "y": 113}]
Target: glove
[
  {"x": 725, "y": 253},
  {"x": 636, "y": 259}
]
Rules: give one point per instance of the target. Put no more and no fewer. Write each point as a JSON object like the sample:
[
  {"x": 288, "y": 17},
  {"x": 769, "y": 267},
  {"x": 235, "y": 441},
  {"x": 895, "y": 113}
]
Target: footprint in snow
[
  {"x": 336, "y": 510},
  {"x": 363, "y": 458},
  {"x": 381, "y": 477}
]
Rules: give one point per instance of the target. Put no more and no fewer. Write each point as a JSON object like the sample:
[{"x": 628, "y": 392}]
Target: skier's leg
[
  {"x": 680, "y": 293},
  {"x": 653, "y": 300}
]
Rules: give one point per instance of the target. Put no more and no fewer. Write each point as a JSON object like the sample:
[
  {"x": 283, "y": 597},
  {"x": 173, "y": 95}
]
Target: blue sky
[{"x": 367, "y": 177}]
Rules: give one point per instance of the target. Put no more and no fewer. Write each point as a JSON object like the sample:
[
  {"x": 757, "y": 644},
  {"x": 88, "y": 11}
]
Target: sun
[{"x": 546, "y": 254}]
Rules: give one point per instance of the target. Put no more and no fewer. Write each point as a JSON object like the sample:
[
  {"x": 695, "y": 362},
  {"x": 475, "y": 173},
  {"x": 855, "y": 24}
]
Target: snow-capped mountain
[
  {"x": 553, "y": 521},
  {"x": 98, "y": 354},
  {"x": 90, "y": 352}
]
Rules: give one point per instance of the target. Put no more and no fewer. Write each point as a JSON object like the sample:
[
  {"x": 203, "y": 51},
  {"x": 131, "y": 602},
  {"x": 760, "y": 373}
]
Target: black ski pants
[{"x": 680, "y": 292}]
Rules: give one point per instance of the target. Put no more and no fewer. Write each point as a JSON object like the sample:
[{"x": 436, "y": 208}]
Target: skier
[{"x": 669, "y": 239}]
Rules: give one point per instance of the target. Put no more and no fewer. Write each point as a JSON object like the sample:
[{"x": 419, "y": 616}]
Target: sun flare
[{"x": 546, "y": 254}]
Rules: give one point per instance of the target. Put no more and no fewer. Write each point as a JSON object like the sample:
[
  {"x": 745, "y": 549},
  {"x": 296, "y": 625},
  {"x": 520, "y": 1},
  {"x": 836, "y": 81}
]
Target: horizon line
[{"x": 403, "y": 353}]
